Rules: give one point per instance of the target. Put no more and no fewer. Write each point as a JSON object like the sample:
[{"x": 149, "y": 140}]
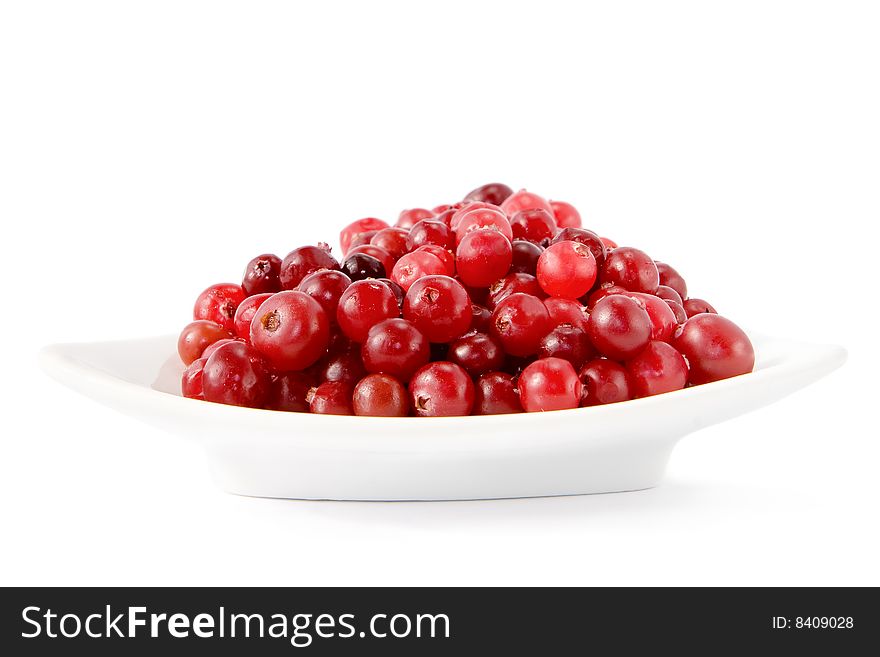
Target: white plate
[{"x": 617, "y": 447}]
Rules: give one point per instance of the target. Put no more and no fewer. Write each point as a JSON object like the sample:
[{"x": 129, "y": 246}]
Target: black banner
[{"x": 114, "y": 621}]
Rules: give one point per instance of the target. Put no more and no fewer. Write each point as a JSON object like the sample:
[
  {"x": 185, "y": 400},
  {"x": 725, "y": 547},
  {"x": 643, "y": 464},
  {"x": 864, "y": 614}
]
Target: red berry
[
  {"x": 303, "y": 261},
  {"x": 211, "y": 348},
  {"x": 608, "y": 242},
  {"x": 519, "y": 322},
  {"x": 696, "y": 306},
  {"x": 495, "y": 193},
  {"x": 483, "y": 257},
  {"x": 380, "y": 395},
  {"x": 291, "y": 330},
  {"x": 496, "y": 394},
  {"x": 361, "y": 239},
  {"x": 481, "y": 318},
  {"x": 663, "y": 322},
  {"x": 409, "y": 218},
  {"x": 678, "y": 309},
  {"x": 364, "y": 304},
  {"x": 245, "y": 313},
  {"x": 513, "y": 284},
  {"x": 671, "y": 278},
  {"x": 218, "y": 304},
  {"x": 566, "y": 311},
  {"x": 619, "y": 327},
  {"x": 668, "y": 294},
  {"x": 360, "y": 266},
  {"x": 468, "y": 207},
  {"x": 345, "y": 366},
  {"x": 586, "y": 237},
  {"x": 198, "y": 336},
  {"x": 355, "y": 227},
  {"x": 439, "y": 307},
  {"x": 549, "y": 384},
  {"x": 289, "y": 392},
  {"x": 414, "y": 266},
  {"x": 236, "y": 374},
  {"x": 477, "y": 353},
  {"x": 715, "y": 348},
  {"x": 602, "y": 292},
  {"x": 331, "y": 398},
  {"x": 482, "y": 219},
  {"x": 631, "y": 269},
  {"x": 568, "y": 343},
  {"x": 565, "y": 215},
  {"x": 523, "y": 200},
  {"x": 658, "y": 368},
  {"x": 444, "y": 255},
  {"x": 429, "y": 231},
  {"x": 441, "y": 389},
  {"x": 567, "y": 270},
  {"x": 525, "y": 257},
  {"x": 535, "y": 226},
  {"x": 393, "y": 241},
  {"x": 605, "y": 382},
  {"x": 191, "y": 381},
  {"x": 326, "y": 287},
  {"x": 376, "y": 252},
  {"x": 395, "y": 347},
  {"x": 262, "y": 275}
]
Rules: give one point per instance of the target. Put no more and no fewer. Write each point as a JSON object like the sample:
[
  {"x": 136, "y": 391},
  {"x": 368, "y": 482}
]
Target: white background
[{"x": 149, "y": 149}]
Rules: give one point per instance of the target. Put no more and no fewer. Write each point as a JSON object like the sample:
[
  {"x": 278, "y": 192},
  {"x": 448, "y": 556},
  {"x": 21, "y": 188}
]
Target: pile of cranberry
[{"x": 499, "y": 303}]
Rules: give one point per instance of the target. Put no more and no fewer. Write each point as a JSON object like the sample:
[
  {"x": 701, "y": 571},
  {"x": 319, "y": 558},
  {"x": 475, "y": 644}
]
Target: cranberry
[
  {"x": 533, "y": 225},
  {"x": 446, "y": 216},
  {"x": 568, "y": 343},
  {"x": 364, "y": 304},
  {"x": 609, "y": 243},
  {"x": 586, "y": 237},
  {"x": 549, "y": 384},
  {"x": 392, "y": 240},
  {"x": 630, "y": 268},
  {"x": 444, "y": 255},
  {"x": 495, "y": 193},
  {"x": 566, "y": 311},
  {"x": 416, "y": 265},
  {"x": 439, "y": 351},
  {"x": 303, "y": 261},
  {"x": 429, "y": 231},
  {"x": 696, "y": 306},
  {"x": 395, "y": 347},
  {"x": 658, "y": 368},
  {"x": 565, "y": 215},
  {"x": 245, "y": 313},
  {"x": 439, "y": 307},
  {"x": 360, "y": 226},
  {"x": 291, "y": 330},
  {"x": 218, "y": 304},
  {"x": 523, "y": 200},
  {"x": 361, "y": 266},
  {"x": 345, "y": 366},
  {"x": 481, "y": 318},
  {"x": 567, "y": 270},
  {"x": 326, "y": 287},
  {"x": 477, "y": 353},
  {"x": 483, "y": 219},
  {"x": 376, "y": 252},
  {"x": 198, "y": 336},
  {"x": 262, "y": 275},
  {"x": 605, "y": 382},
  {"x": 668, "y": 294},
  {"x": 443, "y": 207},
  {"x": 519, "y": 322},
  {"x": 678, "y": 310},
  {"x": 602, "y": 292},
  {"x": 409, "y": 218},
  {"x": 289, "y": 392},
  {"x": 671, "y": 278},
  {"x": 525, "y": 256},
  {"x": 483, "y": 257},
  {"x": 236, "y": 374},
  {"x": 715, "y": 348},
  {"x": 619, "y": 327},
  {"x": 513, "y": 284},
  {"x": 399, "y": 294},
  {"x": 380, "y": 395},
  {"x": 469, "y": 207},
  {"x": 191, "y": 382},
  {"x": 331, "y": 398},
  {"x": 496, "y": 394},
  {"x": 361, "y": 239},
  {"x": 663, "y": 322},
  {"x": 441, "y": 389},
  {"x": 211, "y": 348}
]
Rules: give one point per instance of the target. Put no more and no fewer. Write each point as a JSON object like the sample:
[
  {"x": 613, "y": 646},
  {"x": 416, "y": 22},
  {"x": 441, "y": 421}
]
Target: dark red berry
[
  {"x": 236, "y": 374},
  {"x": 439, "y": 307},
  {"x": 376, "y": 252},
  {"x": 395, "y": 347},
  {"x": 360, "y": 266},
  {"x": 658, "y": 368},
  {"x": 496, "y": 394},
  {"x": 715, "y": 348},
  {"x": 525, "y": 256},
  {"x": 481, "y": 318},
  {"x": 549, "y": 384},
  {"x": 331, "y": 398},
  {"x": 441, "y": 389},
  {"x": 262, "y": 275},
  {"x": 568, "y": 343},
  {"x": 345, "y": 366},
  {"x": 605, "y": 382},
  {"x": 303, "y": 261},
  {"x": 477, "y": 353},
  {"x": 631, "y": 269},
  {"x": 534, "y": 225},
  {"x": 519, "y": 322},
  {"x": 495, "y": 193},
  {"x": 619, "y": 327},
  {"x": 289, "y": 392}
]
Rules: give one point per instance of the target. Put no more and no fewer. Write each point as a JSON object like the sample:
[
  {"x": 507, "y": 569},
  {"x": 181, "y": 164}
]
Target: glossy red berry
[
  {"x": 605, "y": 382},
  {"x": 668, "y": 294},
  {"x": 262, "y": 275},
  {"x": 439, "y": 307},
  {"x": 696, "y": 306},
  {"x": 218, "y": 304},
  {"x": 331, "y": 398},
  {"x": 345, "y": 366},
  {"x": 586, "y": 237},
  {"x": 326, "y": 287},
  {"x": 565, "y": 214},
  {"x": 380, "y": 395},
  {"x": 467, "y": 208},
  {"x": 409, "y": 218},
  {"x": 393, "y": 241},
  {"x": 416, "y": 265},
  {"x": 245, "y": 312},
  {"x": 566, "y": 270},
  {"x": 211, "y": 348},
  {"x": 361, "y": 239},
  {"x": 236, "y": 374},
  {"x": 523, "y": 200},
  {"x": 631, "y": 269},
  {"x": 441, "y": 389},
  {"x": 535, "y": 226},
  {"x": 678, "y": 310},
  {"x": 395, "y": 347},
  {"x": 568, "y": 343},
  {"x": 604, "y": 291},
  {"x": 481, "y": 318},
  {"x": 495, "y": 193},
  {"x": 477, "y": 353},
  {"x": 291, "y": 330},
  {"x": 198, "y": 336},
  {"x": 430, "y": 231},
  {"x": 525, "y": 256},
  {"x": 671, "y": 278},
  {"x": 483, "y": 257},
  {"x": 656, "y": 369},
  {"x": 663, "y": 322},
  {"x": 549, "y": 384},
  {"x": 513, "y": 284},
  {"x": 519, "y": 322},
  {"x": 360, "y": 266},
  {"x": 444, "y": 255},
  {"x": 496, "y": 394},
  {"x": 191, "y": 381},
  {"x": 289, "y": 392},
  {"x": 303, "y": 261},
  {"x": 363, "y": 305},
  {"x": 372, "y": 251},
  {"x": 619, "y": 327},
  {"x": 715, "y": 348},
  {"x": 482, "y": 219},
  {"x": 355, "y": 227},
  {"x": 566, "y": 311}
]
